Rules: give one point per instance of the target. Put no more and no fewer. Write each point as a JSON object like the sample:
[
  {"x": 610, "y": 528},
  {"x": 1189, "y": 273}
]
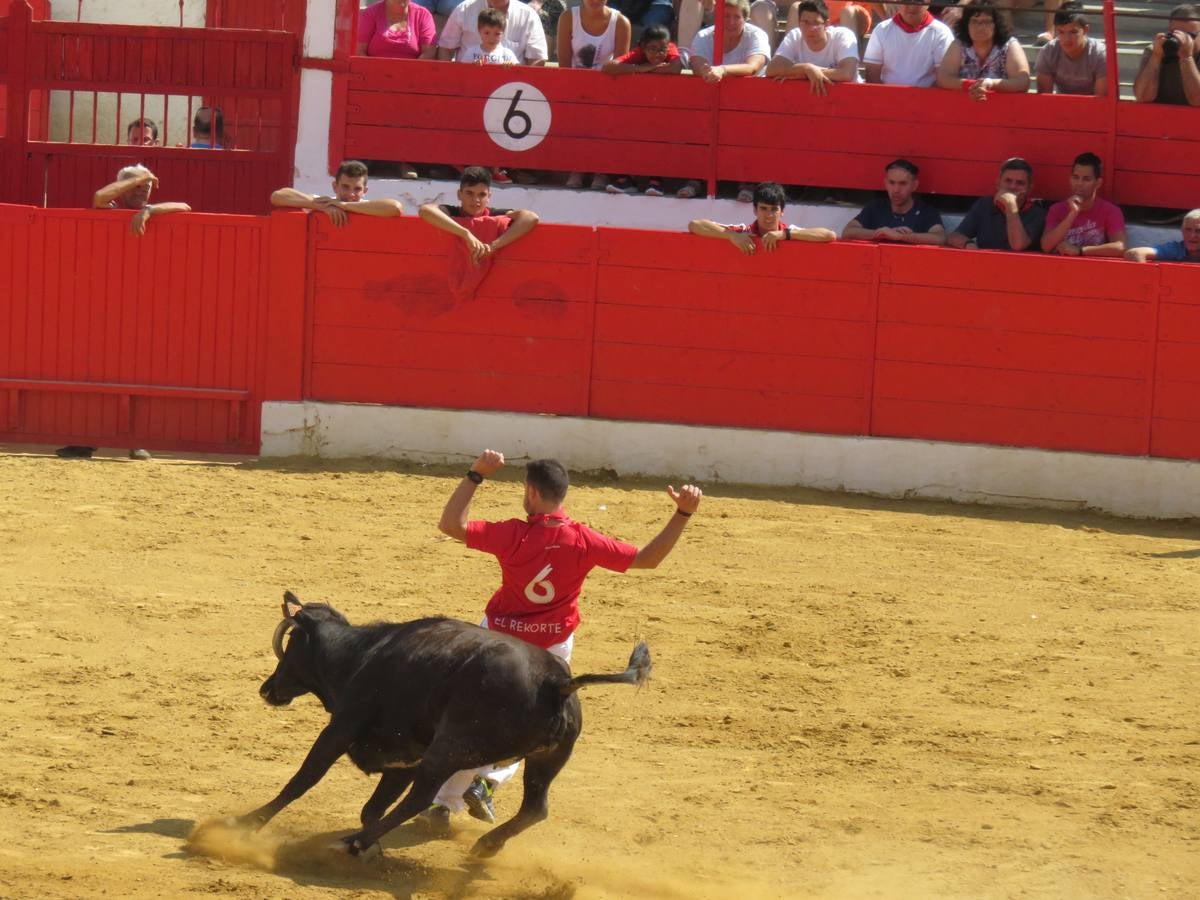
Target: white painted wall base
[{"x": 970, "y": 473}]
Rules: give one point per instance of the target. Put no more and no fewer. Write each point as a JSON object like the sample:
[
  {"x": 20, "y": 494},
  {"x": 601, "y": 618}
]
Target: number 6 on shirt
[{"x": 540, "y": 590}]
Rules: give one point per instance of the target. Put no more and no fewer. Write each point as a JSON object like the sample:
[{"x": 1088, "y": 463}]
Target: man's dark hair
[
  {"x": 492, "y": 18},
  {"x": 1018, "y": 164},
  {"x": 142, "y": 123},
  {"x": 473, "y": 175},
  {"x": 813, "y": 6},
  {"x": 652, "y": 33},
  {"x": 770, "y": 193},
  {"x": 910, "y": 168},
  {"x": 1002, "y": 32},
  {"x": 1071, "y": 13},
  {"x": 1090, "y": 159},
  {"x": 207, "y": 121},
  {"x": 549, "y": 477},
  {"x": 351, "y": 168},
  {"x": 1185, "y": 12}
]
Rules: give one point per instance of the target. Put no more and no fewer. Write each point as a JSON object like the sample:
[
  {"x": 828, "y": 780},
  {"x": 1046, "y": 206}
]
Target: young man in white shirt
[
  {"x": 907, "y": 48},
  {"x": 746, "y": 50},
  {"x": 816, "y": 50}
]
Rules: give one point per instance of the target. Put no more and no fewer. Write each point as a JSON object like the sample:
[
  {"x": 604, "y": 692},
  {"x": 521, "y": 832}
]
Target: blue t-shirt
[
  {"x": 1172, "y": 251},
  {"x": 878, "y": 214}
]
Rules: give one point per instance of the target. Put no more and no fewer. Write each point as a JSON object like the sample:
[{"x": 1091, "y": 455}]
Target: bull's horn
[{"x": 277, "y": 641}]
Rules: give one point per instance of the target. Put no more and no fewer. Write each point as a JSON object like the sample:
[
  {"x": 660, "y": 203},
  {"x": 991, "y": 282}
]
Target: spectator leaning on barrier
[
  {"x": 589, "y": 36},
  {"x": 349, "y": 189},
  {"x": 142, "y": 133},
  {"x": 490, "y": 51},
  {"x": 900, "y": 217},
  {"x": 1186, "y": 250},
  {"x": 1168, "y": 71},
  {"x": 745, "y": 53},
  {"x": 985, "y": 57},
  {"x": 816, "y": 50},
  {"x": 397, "y": 29},
  {"x": 856, "y": 17},
  {"x": 467, "y": 220},
  {"x": 1072, "y": 63},
  {"x": 1008, "y": 220},
  {"x": 1085, "y": 224},
  {"x": 768, "y": 227},
  {"x": 523, "y": 35},
  {"x": 907, "y": 48},
  {"x": 132, "y": 190}
]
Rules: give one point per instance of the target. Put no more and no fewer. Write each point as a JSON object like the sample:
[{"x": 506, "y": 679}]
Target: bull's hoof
[
  {"x": 353, "y": 845},
  {"x": 485, "y": 849}
]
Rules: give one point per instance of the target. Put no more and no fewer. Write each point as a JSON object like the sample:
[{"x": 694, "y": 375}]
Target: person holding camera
[{"x": 1169, "y": 72}]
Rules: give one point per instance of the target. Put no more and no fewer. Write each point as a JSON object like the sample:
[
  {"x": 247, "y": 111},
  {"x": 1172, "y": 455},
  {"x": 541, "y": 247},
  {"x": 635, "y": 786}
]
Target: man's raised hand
[
  {"x": 488, "y": 463},
  {"x": 687, "y": 498}
]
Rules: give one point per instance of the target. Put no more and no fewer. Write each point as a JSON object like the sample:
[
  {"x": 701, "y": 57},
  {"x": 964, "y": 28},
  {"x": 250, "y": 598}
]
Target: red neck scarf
[{"x": 904, "y": 26}]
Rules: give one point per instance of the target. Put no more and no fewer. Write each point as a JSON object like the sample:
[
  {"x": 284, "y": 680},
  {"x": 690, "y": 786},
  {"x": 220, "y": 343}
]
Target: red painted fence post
[
  {"x": 1113, "y": 98},
  {"x": 16, "y": 184}
]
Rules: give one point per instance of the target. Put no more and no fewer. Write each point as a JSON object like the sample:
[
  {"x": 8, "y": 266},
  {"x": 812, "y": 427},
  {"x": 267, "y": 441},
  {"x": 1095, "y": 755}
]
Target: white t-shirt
[
  {"x": 909, "y": 58},
  {"x": 497, "y": 57},
  {"x": 840, "y": 44},
  {"x": 754, "y": 41},
  {"x": 523, "y": 36},
  {"x": 592, "y": 51}
]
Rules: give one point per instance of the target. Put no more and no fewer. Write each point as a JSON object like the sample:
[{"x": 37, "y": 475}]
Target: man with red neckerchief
[
  {"x": 543, "y": 563},
  {"x": 907, "y": 48},
  {"x": 768, "y": 228}
]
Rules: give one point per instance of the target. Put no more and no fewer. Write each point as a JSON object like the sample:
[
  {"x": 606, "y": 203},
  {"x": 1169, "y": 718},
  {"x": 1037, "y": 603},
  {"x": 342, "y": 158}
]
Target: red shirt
[
  {"x": 637, "y": 56},
  {"x": 543, "y": 565}
]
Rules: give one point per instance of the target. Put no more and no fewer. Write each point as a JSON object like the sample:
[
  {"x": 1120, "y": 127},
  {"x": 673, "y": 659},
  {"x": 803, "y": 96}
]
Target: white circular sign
[{"x": 517, "y": 116}]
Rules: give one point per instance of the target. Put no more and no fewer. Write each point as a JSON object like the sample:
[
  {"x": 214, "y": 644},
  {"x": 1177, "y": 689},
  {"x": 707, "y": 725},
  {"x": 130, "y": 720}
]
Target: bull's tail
[{"x": 636, "y": 673}]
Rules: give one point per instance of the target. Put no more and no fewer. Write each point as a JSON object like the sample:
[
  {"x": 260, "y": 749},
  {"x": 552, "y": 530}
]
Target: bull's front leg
[{"x": 331, "y": 743}]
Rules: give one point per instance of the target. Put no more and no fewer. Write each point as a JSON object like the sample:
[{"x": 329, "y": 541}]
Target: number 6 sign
[{"x": 517, "y": 116}]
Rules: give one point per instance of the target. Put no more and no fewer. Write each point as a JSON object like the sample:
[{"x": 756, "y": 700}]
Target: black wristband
[
  {"x": 787, "y": 232},
  {"x": 680, "y": 512},
  {"x": 474, "y": 476}
]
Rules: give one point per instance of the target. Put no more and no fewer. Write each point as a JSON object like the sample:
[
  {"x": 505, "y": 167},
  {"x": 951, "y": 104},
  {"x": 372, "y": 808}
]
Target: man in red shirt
[{"x": 543, "y": 563}]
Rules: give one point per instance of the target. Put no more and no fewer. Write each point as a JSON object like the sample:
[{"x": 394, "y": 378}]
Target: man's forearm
[
  {"x": 522, "y": 223},
  {"x": 1190, "y": 75},
  {"x": 656, "y": 551},
  {"x": 707, "y": 228},
  {"x": 1056, "y": 235},
  {"x": 110, "y": 192},
  {"x": 381, "y": 208},
  {"x": 1145, "y": 86},
  {"x": 454, "y": 516},
  {"x": 430, "y": 213},
  {"x": 932, "y": 238},
  {"x": 1018, "y": 237},
  {"x": 290, "y": 198}
]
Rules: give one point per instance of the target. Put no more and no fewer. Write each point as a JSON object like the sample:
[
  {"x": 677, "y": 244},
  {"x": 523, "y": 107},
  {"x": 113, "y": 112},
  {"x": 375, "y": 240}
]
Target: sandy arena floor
[{"x": 853, "y": 698}]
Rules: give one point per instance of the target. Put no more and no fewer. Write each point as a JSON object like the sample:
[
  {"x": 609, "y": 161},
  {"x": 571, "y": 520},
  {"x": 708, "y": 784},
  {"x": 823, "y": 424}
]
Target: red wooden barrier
[
  {"x": 159, "y": 341},
  {"x": 434, "y": 112},
  {"x": 689, "y": 330},
  {"x": 1030, "y": 351},
  {"x": 1176, "y": 430},
  {"x": 784, "y": 132},
  {"x": 1157, "y": 148},
  {"x": 384, "y": 327}
]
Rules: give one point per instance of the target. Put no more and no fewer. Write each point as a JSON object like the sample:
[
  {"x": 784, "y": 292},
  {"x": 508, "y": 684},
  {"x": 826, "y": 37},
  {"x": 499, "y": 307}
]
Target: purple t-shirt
[
  {"x": 1097, "y": 225},
  {"x": 404, "y": 43}
]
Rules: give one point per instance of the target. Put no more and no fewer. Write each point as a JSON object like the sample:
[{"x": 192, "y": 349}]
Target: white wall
[{"x": 973, "y": 473}]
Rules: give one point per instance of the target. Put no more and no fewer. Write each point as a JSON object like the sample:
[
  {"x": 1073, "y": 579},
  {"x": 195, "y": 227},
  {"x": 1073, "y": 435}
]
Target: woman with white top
[{"x": 589, "y": 37}]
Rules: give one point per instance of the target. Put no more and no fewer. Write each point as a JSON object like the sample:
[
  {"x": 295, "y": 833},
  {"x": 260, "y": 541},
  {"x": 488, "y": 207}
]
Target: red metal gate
[{"x": 251, "y": 76}]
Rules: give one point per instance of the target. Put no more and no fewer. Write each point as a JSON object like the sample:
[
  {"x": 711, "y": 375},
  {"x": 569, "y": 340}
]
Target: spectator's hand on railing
[
  {"x": 817, "y": 79},
  {"x": 743, "y": 241},
  {"x": 477, "y": 248},
  {"x": 1067, "y": 249},
  {"x": 137, "y": 224},
  {"x": 714, "y": 74},
  {"x": 331, "y": 208},
  {"x": 979, "y": 90},
  {"x": 899, "y": 235}
]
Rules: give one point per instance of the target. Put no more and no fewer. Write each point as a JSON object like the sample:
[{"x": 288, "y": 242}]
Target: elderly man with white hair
[
  {"x": 1187, "y": 250},
  {"x": 131, "y": 190}
]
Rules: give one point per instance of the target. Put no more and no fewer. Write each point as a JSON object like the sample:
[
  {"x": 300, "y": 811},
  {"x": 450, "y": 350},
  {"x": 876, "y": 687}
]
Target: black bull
[{"x": 419, "y": 701}]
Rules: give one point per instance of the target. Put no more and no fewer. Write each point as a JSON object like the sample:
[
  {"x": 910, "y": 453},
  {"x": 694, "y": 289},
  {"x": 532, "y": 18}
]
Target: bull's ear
[{"x": 291, "y": 605}]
